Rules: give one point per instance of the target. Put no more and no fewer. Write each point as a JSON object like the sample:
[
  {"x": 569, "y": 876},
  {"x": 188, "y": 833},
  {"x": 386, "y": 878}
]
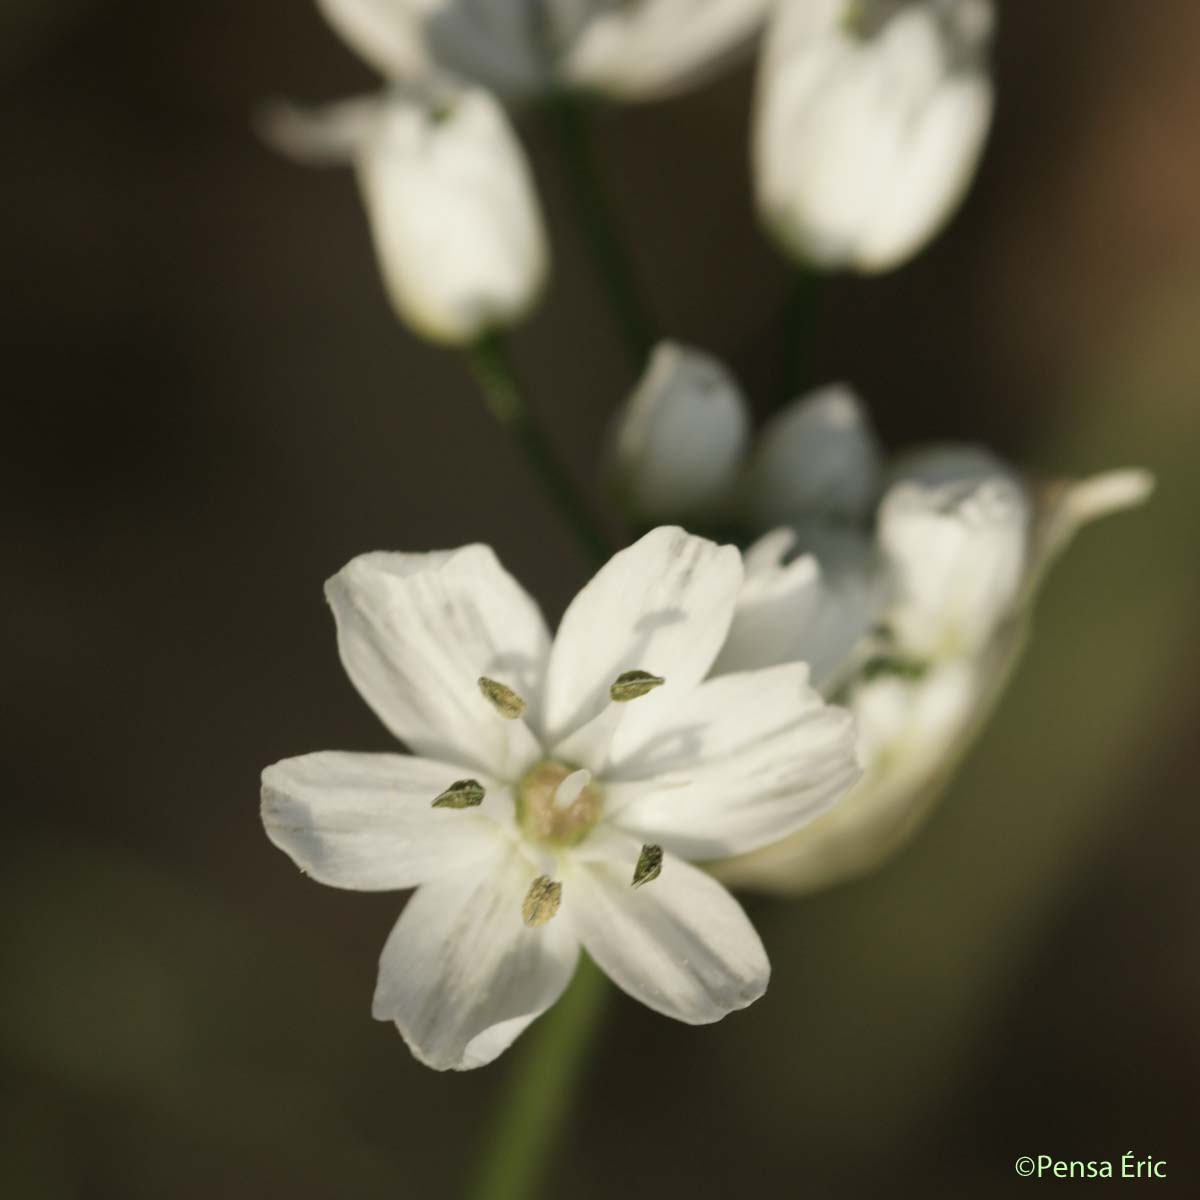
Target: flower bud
[
  {"x": 680, "y": 436},
  {"x": 454, "y": 217},
  {"x": 870, "y": 119},
  {"x": 956, "y": 553},
  {"x": 818, "y": 459}
]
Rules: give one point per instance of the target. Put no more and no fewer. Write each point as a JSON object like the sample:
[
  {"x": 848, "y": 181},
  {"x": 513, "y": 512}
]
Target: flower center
[{"x": 558, "y": 818}]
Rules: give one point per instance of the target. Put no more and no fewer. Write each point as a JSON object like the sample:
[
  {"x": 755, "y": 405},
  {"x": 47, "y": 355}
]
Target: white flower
[
  {"x": 870, "y": 118},
  {"x": 680, "y": 436},
  {"x": 454, "y": 217},
  {"x": 556, "y": 789},
  {"x": 631, "y": 49}
]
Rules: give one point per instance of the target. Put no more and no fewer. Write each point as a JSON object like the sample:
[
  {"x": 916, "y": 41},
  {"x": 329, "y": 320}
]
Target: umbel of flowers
[{"x": 906, "y": 585}]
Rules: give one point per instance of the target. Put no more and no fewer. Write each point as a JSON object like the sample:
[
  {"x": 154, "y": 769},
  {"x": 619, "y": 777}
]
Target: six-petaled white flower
[{"x": 556, "y": 788}]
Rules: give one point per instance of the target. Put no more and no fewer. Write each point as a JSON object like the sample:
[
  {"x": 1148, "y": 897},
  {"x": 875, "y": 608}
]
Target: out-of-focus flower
[
  {"x": 871, "y": 115},
  {"x": 628, "y": 49},
  {"x": 917, "y": 718},
  {"x": 680, "y": 437},
  {"x": 452, "y": 208},
  {"x": 905, "y": 586},
  {"x": 556, "y": 789},
  {"x": 912, "y": 733}
]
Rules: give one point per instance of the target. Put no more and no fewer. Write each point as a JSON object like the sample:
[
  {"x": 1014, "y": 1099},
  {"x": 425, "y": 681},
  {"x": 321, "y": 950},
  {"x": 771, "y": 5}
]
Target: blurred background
[{"x": 211, "y": 408}]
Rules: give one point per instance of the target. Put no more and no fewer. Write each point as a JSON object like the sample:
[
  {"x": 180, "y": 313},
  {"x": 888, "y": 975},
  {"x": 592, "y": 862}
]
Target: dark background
[{"x": 211, "y": 408}]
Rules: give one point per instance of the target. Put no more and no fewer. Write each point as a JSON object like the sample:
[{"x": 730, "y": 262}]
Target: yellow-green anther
[
  {"x": 542, "y": 901},
  {"x": 503, "y": 699},
  {"x": 649, "y": 865},
  {"x": 463, "y": 793},
  {"x": 632, "y": 684}
]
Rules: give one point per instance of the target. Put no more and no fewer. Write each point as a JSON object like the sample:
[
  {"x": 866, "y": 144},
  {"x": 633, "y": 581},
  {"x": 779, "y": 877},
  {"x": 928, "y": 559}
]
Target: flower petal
[
  {"x": 681, "y": 944},
  {"x": 745, "y": 760},
  {"x": 367, "y": 821},
  {"x": 326, "y": 135},
  {"x": 662, "y": 605},
  {"x": 805, "y": 610},
  {"x": 462, "y": 975},
  {"x": 1063, "y": 509},
  {"x": 387, "y": 33},
  {"x": 943, "y": 148},
  {"x": 656, "y": 48},
  {"x": 416, "y": 632}
]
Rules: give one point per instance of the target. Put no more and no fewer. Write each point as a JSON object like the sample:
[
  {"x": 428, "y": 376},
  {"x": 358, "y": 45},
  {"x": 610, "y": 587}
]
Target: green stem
[
  {"x": 538, "y": 1100},
  {"x": 801, "y": 326},
  {"x": 489, "y": 362},
  {"x": 570, "y": 119}
]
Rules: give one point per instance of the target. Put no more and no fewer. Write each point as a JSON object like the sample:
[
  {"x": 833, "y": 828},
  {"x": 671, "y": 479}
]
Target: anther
[
  {"x": 630, "y": 685},
  {"x": 542, "y": 901},
  {"x": 463, "y": 793},
  {"x": 649, "y": 865},
  {"x": 502, "y": 698}
]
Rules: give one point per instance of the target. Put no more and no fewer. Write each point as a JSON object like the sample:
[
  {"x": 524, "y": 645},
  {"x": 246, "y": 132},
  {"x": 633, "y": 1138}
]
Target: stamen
[
  {"x": 649, "y": 865},
  {"x": 542, "y": 901},
  {"x": 503, "y": 699},
  {"x": 571, "y": 789},
  {"x": 630, "y": 685},
  {"x": 463, "y": 793}
]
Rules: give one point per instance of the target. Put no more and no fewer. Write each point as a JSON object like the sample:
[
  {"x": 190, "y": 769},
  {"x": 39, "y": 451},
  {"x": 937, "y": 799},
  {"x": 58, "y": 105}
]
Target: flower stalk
[
  {"x": 538, "y": 1101},
  {"x": 569, "y": 117},
  {"x": 802, "y": 320},
  {"x": 489, "y": 362}
]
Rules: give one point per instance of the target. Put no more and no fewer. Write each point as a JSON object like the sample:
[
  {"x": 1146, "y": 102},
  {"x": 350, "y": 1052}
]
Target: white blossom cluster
[{"x": 782, "y": 714}]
